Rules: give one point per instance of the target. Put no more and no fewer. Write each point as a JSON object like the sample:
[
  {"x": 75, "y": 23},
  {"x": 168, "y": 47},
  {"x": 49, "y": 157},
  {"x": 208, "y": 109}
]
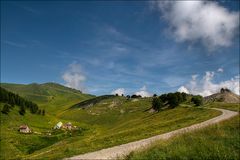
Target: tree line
[
  {"x": 13, "y": 99},
  {"x": 128, "y": 96},
  {"x": 172, "y": 100}
]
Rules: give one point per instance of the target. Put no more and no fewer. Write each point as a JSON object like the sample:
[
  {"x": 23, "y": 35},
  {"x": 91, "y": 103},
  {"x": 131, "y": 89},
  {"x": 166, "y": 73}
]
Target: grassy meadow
[
  {"x": 52, "y": 97},
  {"x": 109, "y": 122},
  {"x": 229, "y": 106},
  {"x": 220, "y": 141},
  {"x": 123, "y": 122},
  {"x": 23, "y": 144}
]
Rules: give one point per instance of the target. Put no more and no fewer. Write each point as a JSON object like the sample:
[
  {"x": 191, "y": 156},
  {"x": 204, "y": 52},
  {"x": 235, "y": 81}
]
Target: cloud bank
[
  {"x": 183, "y": 89},
  {"x": 74, "y": 77},
  {"x": 206, "y": 86},
  {"x": 119, "y": 91},
  {"x": 143, "y": 92},
  {"x": 199, "y": 21}
]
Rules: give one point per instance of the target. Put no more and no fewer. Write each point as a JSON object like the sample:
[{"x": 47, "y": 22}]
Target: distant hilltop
[{"x": 225, "y": 95}]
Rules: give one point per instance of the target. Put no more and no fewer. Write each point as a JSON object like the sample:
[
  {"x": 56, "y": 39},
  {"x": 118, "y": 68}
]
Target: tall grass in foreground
[
  {"x": 229, "y": 106},
  {"x": 221, "y": 141}
]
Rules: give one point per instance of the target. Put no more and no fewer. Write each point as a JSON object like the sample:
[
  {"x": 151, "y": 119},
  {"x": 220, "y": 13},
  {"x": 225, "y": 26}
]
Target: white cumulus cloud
[
  {"x": 143, "y": 92},
  {"x": 118, "y": 91},
  {"x": 199, "y": 21},
  {"x": 205, "y": 86},
  {"x": 183, "y": 89},
  {"x": 220, "y": 70},
  {"x": 74, "y": 77}
]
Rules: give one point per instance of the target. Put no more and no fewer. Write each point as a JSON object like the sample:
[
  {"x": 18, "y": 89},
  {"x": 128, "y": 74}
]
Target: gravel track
[{"x": 125, "y": 149}]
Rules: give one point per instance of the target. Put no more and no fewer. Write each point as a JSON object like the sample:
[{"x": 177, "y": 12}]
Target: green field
[
  {"x": 108, "y": 122},
  {"x": 220, "y": 141},
  {"x": 52, "y": 97},
  {"x": 229, "y": 106}
]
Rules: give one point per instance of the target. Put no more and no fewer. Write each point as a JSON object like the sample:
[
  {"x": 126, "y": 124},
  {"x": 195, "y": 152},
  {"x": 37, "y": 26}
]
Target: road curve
[{"x": 125, "y": 149}]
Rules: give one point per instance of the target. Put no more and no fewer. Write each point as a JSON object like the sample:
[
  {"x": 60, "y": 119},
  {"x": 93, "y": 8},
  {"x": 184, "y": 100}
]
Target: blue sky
[{"x": 135, "y": 47}]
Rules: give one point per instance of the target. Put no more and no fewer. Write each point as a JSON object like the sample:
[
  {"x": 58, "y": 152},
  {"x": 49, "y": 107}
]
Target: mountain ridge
[
  {"x": 225, "y": 95},
  {"x": 51, "y": 96}
]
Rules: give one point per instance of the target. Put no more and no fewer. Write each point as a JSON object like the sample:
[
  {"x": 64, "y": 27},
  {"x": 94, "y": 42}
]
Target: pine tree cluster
[{"x": 14, "y": 99}]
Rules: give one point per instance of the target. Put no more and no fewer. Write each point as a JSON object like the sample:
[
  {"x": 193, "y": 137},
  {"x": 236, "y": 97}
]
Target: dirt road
[{"x": 125, "y": 149}]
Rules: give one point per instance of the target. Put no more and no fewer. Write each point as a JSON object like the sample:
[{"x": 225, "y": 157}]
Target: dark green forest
[{"x": 12, "y": 99}]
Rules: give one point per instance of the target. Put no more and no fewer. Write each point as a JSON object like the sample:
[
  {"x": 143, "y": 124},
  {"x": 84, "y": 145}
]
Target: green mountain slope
[
  {"x": 105, "y": 121},
  {"x": 118, "y": 120},
  {"x": 50, "y": 96},
  {"x": 92, "y": 101}
]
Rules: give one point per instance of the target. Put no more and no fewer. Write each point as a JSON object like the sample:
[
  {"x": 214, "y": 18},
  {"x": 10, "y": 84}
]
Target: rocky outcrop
[{"x": 225, "y": 95}]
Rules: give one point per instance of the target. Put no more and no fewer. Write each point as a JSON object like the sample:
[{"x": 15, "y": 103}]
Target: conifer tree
[
  {"x": 22, "y": 111},
  {"x": 6, "y": 109}
]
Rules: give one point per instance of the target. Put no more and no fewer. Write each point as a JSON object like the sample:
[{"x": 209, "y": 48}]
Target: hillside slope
[
  {"x": 15, "y": 145},
  {"x": 51, "y": 96},
  {"x": 224, "y": 95},
  {"x": 106, "y": 121},
  {"x": 220, "y": 141},
  {"x": 125, "y": 149}
]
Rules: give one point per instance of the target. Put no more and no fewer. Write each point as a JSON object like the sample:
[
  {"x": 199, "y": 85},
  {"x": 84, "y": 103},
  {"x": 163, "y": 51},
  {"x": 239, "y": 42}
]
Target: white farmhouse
[
  {"x": 24, "y": 129},
  {"x": 58, "y": 125}
]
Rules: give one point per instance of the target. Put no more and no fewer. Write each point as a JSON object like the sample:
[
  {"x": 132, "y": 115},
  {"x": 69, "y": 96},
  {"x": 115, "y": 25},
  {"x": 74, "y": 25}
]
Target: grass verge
[{"x": 220, "y": 141}]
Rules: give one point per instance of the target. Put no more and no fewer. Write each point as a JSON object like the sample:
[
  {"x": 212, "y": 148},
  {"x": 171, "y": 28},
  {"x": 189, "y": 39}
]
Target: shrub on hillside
[
  {"x": 136, "y": 96},
  {"x": 197, "y": 100},
  {"x": 173, "y": 99},
  {"x": 157, "y": 103},
  {"x": 43, "y": 112},
  {"x": 164, "y": 97}
]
